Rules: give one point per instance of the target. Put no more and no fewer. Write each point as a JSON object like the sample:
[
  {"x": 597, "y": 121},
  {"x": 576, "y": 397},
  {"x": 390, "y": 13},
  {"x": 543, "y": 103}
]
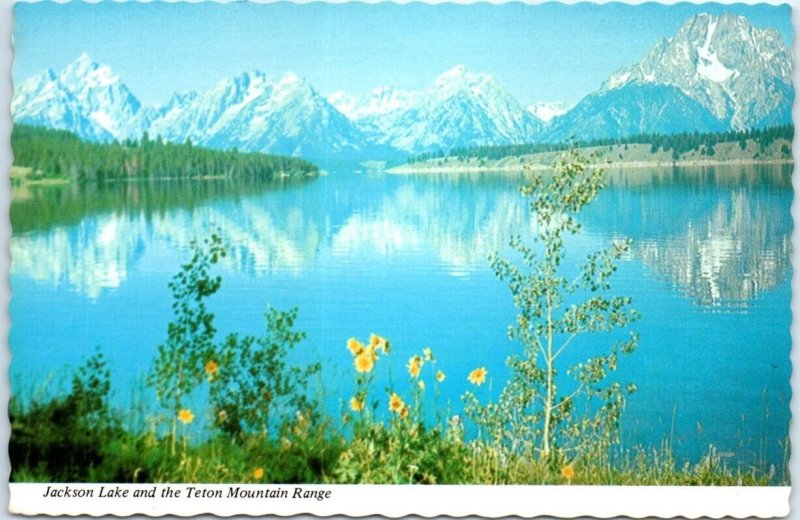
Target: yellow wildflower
[
  {"x": 477, "y": 376},
  {"x": 364, "y": 362},
  {"x": 185, "y": 416},
  {"x": 396, "y": 404},
  {"x": 211, "y": 368},
  {"x": 404, "y": 412},
  {"x": 568, "y": 472},
  {"x": 440, "y": 376},
  {"x": 356, "y": 404},
  {"x": 376, "y": 341},
  {"x": 428, "y": 354},
  {"x": 258, "y": 473},
  {"x": 414, "y": 366},
  {"x": 355, "y": 346}
]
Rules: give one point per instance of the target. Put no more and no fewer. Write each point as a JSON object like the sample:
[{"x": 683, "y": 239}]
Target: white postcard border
[{"x": 400, "y": 500}]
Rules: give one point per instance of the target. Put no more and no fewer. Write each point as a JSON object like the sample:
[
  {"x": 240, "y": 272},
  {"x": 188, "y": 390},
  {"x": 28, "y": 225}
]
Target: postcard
[{"x": 401, "y": 259}]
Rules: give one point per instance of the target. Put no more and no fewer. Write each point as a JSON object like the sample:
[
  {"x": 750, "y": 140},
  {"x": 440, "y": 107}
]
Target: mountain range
[{"x": 716, "y": 73}]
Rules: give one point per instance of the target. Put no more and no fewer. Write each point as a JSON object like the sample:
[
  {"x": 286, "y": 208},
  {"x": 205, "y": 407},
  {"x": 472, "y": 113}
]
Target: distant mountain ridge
[
  {"x": 253, "y": 113},
  {"x": 461, "y": 108},
  {"x": 716, "y": 73}
]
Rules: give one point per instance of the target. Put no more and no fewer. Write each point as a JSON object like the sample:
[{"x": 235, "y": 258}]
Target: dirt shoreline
[{"x": 406, "y": 169}]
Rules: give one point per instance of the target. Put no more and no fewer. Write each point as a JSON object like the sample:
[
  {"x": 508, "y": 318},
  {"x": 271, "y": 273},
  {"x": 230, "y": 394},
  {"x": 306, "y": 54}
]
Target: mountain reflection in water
[{"x": 720, "y": 235}]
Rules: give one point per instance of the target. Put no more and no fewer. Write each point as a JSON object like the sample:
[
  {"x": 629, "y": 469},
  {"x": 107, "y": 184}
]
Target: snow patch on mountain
[
  {"x": 345, "y": 103},
  {"x": 618, "y": 79},
  {"x": 708, "y": 64},
  {"x": 375, "y": 111},
  {"x": 545, "y": 111}
]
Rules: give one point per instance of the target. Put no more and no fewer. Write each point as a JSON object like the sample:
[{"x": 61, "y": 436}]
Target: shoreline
[{"x": 518, "y": 167}]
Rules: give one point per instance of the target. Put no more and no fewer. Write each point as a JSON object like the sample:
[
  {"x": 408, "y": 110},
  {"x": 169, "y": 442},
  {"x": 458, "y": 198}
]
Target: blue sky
[{"x": 539, "y": 52}]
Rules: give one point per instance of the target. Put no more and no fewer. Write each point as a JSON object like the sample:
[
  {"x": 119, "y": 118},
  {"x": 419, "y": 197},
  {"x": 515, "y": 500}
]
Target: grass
[
  {"x": 383, "y": 456},
  {"x": 24, "y": 175}
]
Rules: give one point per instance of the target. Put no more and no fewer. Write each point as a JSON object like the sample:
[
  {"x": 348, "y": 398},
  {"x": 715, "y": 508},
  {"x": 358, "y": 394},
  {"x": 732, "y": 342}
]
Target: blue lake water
[{"x": 406, "y": 257}]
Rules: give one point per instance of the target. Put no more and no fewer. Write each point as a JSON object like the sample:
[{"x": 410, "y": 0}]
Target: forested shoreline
[
  {"x": 48, "y": 154},
  {"x": 675, "y": 144}
]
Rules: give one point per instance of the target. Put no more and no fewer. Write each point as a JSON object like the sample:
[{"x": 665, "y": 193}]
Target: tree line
[
  {"x": 686, "y": 141},
  {"x": 677, "y": 143},
  {"x": 60, "y": 154}
]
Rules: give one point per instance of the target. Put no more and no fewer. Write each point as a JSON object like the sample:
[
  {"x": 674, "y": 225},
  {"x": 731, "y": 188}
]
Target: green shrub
[
  {"x": 65, "y": 438},
  {"x": 541, "y": 413}
]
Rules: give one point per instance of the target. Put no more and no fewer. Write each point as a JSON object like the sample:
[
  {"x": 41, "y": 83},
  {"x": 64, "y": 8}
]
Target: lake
[{"x": 406, "y": 257}]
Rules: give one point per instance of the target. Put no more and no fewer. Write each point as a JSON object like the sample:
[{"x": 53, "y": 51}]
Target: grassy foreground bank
[{"x": 78, "y": 438}]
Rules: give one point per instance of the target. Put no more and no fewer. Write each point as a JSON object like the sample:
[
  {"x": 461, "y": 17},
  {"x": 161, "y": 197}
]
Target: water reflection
[
  {"x": 728, "y": 258},
  {"x": 97, "y": 253},
  {"x": 459, "y": 226},
  {"x": 87, "y": 237},
  {"x": 89, "y": 258},
  {"x": 720, "y": 236},
  {"x": 43, "y": 207}
]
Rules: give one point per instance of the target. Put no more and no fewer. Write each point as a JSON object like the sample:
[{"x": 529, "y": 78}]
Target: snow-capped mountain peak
[
  {"x": 739, "y": 72},
  {"x": 383, "y": 100},
  {"x": 291, "y": 88},
  {"x": 456, "y": 73},
  {"x": 254, "y": 113},
  {"x": 545, "y": 111},
  {"x": 85, "y": 73},
  {"x": 462, "y": 108},
  {"x": 460, "y": 79},
  {"x": 243, "y": 87},
  {"x": 345, "y": 103},
  {"x": 86, "y": 98},
  {"x": 81, "y": 66},
  {"x": 290, "y": 79},
  {"x": 379, "y": 102}
]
